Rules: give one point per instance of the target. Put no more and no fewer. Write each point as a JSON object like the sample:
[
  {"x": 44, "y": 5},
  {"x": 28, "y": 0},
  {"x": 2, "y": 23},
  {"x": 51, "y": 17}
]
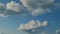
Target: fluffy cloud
[
  {"x": 57, "y": 31},
  {"x": 13, "y": 6},
  {"x": 34, "y": 7},
  {"x": 39, "y": 6},
  {"x": 32, "y": 26}
]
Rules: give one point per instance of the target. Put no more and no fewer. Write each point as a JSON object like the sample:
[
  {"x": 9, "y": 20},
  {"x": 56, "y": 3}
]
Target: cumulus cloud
[
  {"x": 13, "y": 6},
  {"x": 34, "y": 7},
  {"x": 58, "y": 31},
  {"x": 39, "y": 6},
  {"x": 32, "y": 26}
]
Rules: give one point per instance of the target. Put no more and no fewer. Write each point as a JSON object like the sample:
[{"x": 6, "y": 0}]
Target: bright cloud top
[
  {"x": 32, "y": 25},
  {"x": 13, "y": 6}
]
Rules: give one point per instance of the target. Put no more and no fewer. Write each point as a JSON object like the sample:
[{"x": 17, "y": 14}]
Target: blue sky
[{"x": 10, "y": 22}]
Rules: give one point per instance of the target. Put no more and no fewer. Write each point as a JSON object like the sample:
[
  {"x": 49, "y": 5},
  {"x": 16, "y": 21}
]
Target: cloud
[
  {"x": 32, "y": 26},
  {"x": 36, "y": 3},
  {"x": 13, "y": 6},
  {"x": 45, "y": 23},
  {"x": 58, "y": 31},
  {"x": 39, "y": 7},
  {"x": 43, "y": 33},
  {"x": 34, "y": 7},
  {"x": 3, "y": 15}
]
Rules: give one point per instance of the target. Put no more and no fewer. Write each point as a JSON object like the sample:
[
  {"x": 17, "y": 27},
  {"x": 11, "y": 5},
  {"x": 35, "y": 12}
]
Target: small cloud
[
  {"x": 12, "y": 8},
  {"x": 58, "y": 31},
  {"x": 33, "y": 30},
  {"x": 3, "y": 15},
  {"x": 45, "y": 23},
  {"x": 43, "y": 33}
]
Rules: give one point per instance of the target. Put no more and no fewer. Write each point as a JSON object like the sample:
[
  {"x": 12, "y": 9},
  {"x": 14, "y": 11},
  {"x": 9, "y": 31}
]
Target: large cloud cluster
[
  {"x": 11, "y": 8},
  {"x": 39, "y": 7},
  {"x": 34, "y": 7},
  {"x": 32, "y": 26}
]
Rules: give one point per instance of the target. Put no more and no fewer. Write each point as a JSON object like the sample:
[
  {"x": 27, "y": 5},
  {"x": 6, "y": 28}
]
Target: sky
[{"x": 29, "y": 16}]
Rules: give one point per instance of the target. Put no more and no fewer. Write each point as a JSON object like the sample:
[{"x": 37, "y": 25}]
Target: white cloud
[
  {"x": 13, "y": 6},
  {"x": 45, "y": 23},
  {"x": 58, "y": 31},
  {"x": 32, "y": 25},
  {"x": 37, "y": 11},
  {"x": 39, "y": 6},
  {"x": 3, "y": 15}
]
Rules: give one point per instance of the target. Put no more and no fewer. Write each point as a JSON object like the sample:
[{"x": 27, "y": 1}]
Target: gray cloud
[
  {"x": 39, "y": 7},
  {"x": 34, "y": 7},
  {"x": 58, "y": 31}
]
